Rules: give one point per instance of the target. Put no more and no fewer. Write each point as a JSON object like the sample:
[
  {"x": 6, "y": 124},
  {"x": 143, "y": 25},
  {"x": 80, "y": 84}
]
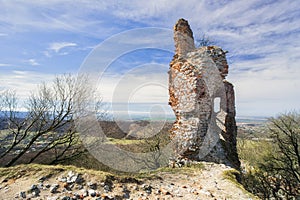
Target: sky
[{"x": 42, "y": 39}]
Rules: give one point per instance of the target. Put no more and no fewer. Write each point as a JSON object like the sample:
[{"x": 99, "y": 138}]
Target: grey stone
[
  {"x": 23, "y": 195},
  {"x": 102, "y": 184},
  {"x": 53, "y": 188},
  {"x": 33, "y": 187},
  {"x": 136, "y": 188},
  {"x": 107, "y": 188},
  {"x": 84, "y": 193},
  {"x": 126, "y": 195},
  {"x": 40, "y": 185},
  {"x": 63, "y": 179},
  {"x": 75, "y": 196},
  {"x": 79, "y": 187},
  {"x": 92, "y": 193},
  {"x": 35, "y": 191},
  {"x": 92, "y": 185},
  {"x": 42, "y": 179},
  {"x": 147, "y": 188}
]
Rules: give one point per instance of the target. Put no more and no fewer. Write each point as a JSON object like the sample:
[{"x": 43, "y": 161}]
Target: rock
[
  {"x": 79, "y": 179},
  {"x": 203, "y": 191},
  {"x": 72, "y": 177},
  {"x": 42, "y": 179},
  {"x": 102, "y": 184},
  {"x": 66, "y": 185},
  {"x": 63, "y": 179},
  {"x": 79, "y": 187},
  {"x": 147, "y": 188},
  {"x": 126, "y": 195},
  {"x": 76, "y": 196},
  {"x": 203, "y": 103},
  {"x": 35, "y": 191},
  {"x": 53, "y": 188},
  {"x": 40, "y": 185},
  {"x": 107, "y": 188},
  {"x": 91, "y": 185},
  {"x": 84, "y": 193},
  {"x": 92, "y": 193},
  {"x": 5, "y": 180},
  {"x": 136, "y": 188},
  {"x": 164, "y": 191},
  {"x": 33, "y": 187},
  {"x": 23, "y": 195}
]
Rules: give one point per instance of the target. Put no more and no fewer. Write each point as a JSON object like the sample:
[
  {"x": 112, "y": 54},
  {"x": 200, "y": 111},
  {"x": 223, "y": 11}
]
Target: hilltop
[{"x": 198, "y": 181}]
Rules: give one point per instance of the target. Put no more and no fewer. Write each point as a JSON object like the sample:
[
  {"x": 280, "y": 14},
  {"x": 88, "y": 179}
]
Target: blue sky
[{"x": 41, "y": 39}]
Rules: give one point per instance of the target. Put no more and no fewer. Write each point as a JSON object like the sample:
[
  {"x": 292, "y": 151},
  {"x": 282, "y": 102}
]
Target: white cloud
[
  {"x": 144, "y": 84},
  {"x": 20, "y": 72},
  {"x": 23, "y": 82},
  {"x": 57, "y": 46},
  {"x": 267, "y": 30},
  {"x": 33, "y": 62},
  {"x": 4, "y": 65}
]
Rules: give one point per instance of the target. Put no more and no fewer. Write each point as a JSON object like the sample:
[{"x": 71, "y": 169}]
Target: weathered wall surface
[{"x": 196, "y": 79}]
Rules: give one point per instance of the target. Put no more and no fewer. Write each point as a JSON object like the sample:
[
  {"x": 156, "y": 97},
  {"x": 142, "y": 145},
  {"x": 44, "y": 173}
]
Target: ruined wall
[{"x": 196, "y": 79}]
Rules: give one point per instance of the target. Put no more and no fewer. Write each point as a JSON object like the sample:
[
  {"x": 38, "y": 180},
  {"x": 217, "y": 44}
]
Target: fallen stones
[
  {"x": 147, "y": 188},
  {"x": 23, "y": 195},
  {"x": 92, "y": 193},
  {"x": 35, "y": 191},
  {"x": 53, "y": 188},
  {"x": 206, "y": 182},
  {"x": 92, "y": 185}
]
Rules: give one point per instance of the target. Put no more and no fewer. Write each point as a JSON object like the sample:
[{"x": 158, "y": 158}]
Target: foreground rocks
[{"x": 200, "y": 181}]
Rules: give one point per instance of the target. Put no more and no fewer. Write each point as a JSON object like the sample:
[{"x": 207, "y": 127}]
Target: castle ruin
[{"x": 203, "y": 101}]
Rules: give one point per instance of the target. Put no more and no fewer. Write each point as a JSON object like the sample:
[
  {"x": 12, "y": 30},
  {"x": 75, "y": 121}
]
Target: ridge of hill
[{"x": 198, "y": 181}]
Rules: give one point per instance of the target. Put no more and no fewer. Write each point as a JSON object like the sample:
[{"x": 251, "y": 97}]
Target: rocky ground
[{"x": 201, "y": 181}]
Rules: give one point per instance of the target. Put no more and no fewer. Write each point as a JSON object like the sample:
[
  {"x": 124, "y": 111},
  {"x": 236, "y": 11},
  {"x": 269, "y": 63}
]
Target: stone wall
[{"x": 196, "y": 81}]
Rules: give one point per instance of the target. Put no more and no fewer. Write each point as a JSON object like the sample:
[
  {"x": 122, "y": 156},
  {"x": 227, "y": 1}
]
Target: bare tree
[
  {"x": 278, "y": 173},
  {"x": 284, "y": 165},
  {"x": 204, "y": 41},
  {"x": 47, "y": 133}
]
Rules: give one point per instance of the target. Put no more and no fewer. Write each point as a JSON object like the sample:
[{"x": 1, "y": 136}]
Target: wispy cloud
[
  {"x": 5, "y": 65},
  {"x": 23, "y": 82},
  {"x": 33, "y": 62},
  {"x": 57, "y": 46},
  {"x": 20, "y": 72},
  {"x": 262, "y": 37}
]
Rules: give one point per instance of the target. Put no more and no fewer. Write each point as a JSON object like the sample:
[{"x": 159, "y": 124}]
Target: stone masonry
[{"x": 202, "y": 100}]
